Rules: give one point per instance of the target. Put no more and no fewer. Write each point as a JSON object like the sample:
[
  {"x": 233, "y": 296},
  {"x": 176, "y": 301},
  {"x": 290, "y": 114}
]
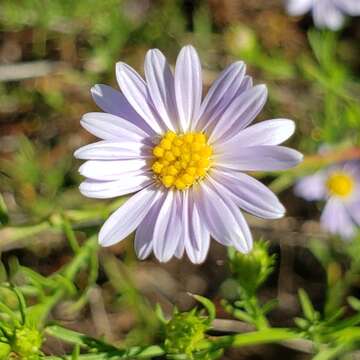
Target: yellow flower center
[
  {"x": 181, "y": 159},
  {"x": 340, "y": 184}
]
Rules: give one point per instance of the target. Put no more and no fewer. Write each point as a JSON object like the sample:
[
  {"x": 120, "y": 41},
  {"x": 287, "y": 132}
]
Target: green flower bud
[
  {"x": 184, "y": 333},
  {"x": 251, "y": 270},
  {"x": 26, "y": 343}
]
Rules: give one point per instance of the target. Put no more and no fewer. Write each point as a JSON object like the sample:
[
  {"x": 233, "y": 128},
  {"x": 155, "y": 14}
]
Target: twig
[{"x": 27, "y": 70}]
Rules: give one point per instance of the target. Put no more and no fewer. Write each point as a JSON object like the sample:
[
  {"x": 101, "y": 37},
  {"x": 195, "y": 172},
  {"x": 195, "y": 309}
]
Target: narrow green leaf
[
  {"x": 208, "y": 305},
  {"x": 306, "y": 305},
  {"x": 354, "y": 303},
  {"x": 160, "y": 314}
]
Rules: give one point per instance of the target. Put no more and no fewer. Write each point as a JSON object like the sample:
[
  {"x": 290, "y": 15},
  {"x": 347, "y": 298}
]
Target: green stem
[
  {"x": 255, "y": 338},
  {"x": 70, "y": 235}
]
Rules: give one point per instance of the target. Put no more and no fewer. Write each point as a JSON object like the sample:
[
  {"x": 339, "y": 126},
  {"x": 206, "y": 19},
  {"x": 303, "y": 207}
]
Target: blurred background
[{"x": 53, "y": 51}]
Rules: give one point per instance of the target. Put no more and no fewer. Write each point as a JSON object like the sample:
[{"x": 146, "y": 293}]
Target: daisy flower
[
  {"x": 184, "y": 158},
  {"x": 326, "y": 13},
  {"x": 339, "y": 186}
]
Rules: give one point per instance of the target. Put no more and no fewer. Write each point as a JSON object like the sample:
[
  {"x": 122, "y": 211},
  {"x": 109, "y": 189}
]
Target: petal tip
[{"x": 77, "y": 154}]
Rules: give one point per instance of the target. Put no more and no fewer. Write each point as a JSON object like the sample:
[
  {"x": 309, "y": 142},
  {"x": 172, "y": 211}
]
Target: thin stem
[{"x": 70, "y": 235}]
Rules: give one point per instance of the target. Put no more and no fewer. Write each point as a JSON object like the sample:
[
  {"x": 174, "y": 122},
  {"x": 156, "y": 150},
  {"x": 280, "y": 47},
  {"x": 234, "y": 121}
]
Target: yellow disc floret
[
  {"x": 181, "y": 159},
  {"x": 340, "y": 184}
]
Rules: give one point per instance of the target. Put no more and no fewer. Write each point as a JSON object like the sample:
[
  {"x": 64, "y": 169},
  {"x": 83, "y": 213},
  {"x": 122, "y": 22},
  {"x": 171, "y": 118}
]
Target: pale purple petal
[
  {"x": 167, "y": 231},
  {"x": 353, "y": 169},
  {"x": 239, "y": 114},
  {"x": 270, "y": 132},
  {"x": 258, "y": 158},
  {"x": 354, "y": 210},
  {"x": 350, "y": 7},
  {"x": 197, "y": 243},
  {"x": 113, "y": 150},
  {"x": 299, "y": 7},
  {"x": 188, "y": 86},
  {"x": 249, "y": 194},
  {"x": 160, "y": 82},
  {"x": 114, "y": 102},
  {"x": 327, "y": 15},
  {"x": 246, "y": 84},
  {"x": 312, "y": 187},
  {"x": 130, "y": 183},
  {"x": 220, "y": 94},
  {"x": 179, "y": 252},
  {"x": 195, "y": 236},
  {"x": 223, "y": 219},
  {"x": 128, "y": 217},
  {"x": 336, "y": 220},
  {"x": 110, "y": 127},
  {"x": 135, "y": 90},
  {"x": 112, "y": 170},
  {"x": 144, "y": 236}
]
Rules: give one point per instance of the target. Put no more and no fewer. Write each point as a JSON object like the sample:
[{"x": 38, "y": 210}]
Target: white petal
[
  {"x": 223, "y": 219},
  {"x": 197, "y": 242},
  {"x": 188, "y": 86},
  {"x": 144, "y": 237},
  {"x": 354, "y": 210},
  {"x": 137, "y": 94},
  {"x": 299, "y": 7},
  {"x": 327, "y": 15},
  {"x": 114, "y": 102},
  {"x": 270, "y": 132},
  {"x": 179, "y": 252},
  {"x": 113, "y": 150},
  {"x": 259, "y": 158},
  {"x": 110, "y": 127},
  {"x": 160, "y": 82},
  {"x": 312, "y": 187},
  {"x": 127, "y": 218},
  {"x": 249, "y": 194},
  {"x": 112, "y": 169},
  {"x": 130, "y": 183},
  {"x": 240, "y": 112},
  {"x": 246, "y": 84},
  {"x": 221, "y": 93},
  {"x": 336, "y": 219},
  {"x": 167, "y": 231},
  {"x": 350, "y": 7}
]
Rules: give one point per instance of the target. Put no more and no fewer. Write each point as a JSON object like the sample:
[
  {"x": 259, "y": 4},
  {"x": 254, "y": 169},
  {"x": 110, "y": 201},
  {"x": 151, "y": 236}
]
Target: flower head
[
  {"x": 339, "y": 185},
  {"x": 27, "y": 342},
  {"x": 184, "y": 332},
  {"x": 184, "y": 158},
  {"x": 253, "y": 269},
  {"x": 326, "y": 13}
]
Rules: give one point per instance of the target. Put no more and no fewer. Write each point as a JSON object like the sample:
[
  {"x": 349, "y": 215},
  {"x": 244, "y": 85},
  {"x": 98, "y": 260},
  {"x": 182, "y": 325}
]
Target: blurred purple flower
[
  {"x": 185, "y": 158},
  {"x": 340, "y": 186},
  {"x": 326, "y": 13}
]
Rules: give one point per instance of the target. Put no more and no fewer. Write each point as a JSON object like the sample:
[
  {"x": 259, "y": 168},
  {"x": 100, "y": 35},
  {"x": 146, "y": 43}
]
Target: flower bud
[
  {"x": 26, "y": 343},
  {"x": 184, "y": 333},
  {"x": 251, "y": 270}
]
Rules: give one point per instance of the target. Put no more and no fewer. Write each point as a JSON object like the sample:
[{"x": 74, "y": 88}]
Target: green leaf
[
  {"x": 160, "y": 314},
  {"x": 208, "y": 305},
  {"x": 104, "y": 350},
  {"x": 354, "y": 303},
  {"x": 306, "y": 305},
  {"x": 269, "y": 306},
  {"x": 301, "y": 323},
  {"x": 3, "y": 273},
  {"x": 4, "y": 216}
]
